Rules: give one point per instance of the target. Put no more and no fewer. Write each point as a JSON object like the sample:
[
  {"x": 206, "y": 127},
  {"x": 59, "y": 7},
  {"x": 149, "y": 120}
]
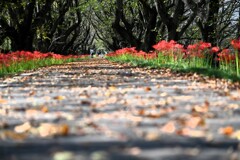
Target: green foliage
[
  {"x": 32, "y": 64},
  {"x": 186, "y": 66}
]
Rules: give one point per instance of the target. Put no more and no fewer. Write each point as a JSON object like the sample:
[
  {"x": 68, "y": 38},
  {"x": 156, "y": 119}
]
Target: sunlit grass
[{"x": 194, "y": 65}]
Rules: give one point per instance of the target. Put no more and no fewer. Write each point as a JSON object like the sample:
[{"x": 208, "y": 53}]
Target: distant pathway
[{"x": 98, "y": 110}]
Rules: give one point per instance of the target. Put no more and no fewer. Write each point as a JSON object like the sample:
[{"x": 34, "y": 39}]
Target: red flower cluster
[
  {"x": 236, "y": 44},
  {"x": 166, "y": 46},
  {"x": 226, "y": 56},
  {"x": 14, "y": 57},
  {"x": 172, "y": 48}
]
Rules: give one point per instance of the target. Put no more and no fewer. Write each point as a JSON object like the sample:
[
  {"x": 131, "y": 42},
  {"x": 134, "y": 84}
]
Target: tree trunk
[{"x": 208, "y": 30}]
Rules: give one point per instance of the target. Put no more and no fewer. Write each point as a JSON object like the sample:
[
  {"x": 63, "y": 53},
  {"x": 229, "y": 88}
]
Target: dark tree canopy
[{"x": 75, "y": 26}]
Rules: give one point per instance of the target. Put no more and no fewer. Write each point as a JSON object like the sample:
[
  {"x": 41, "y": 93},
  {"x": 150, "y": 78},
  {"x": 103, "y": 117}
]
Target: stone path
[{"x": 98, "y": 110}]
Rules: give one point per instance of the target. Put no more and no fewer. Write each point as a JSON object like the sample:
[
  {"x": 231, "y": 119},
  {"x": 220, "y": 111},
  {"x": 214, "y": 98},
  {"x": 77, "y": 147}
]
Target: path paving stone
[{"x": 99, "y": 110}]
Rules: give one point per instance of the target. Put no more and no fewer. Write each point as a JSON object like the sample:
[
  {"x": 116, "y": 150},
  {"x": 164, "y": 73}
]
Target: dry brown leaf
[
  {"x": 32, "y": 93},
  {"x": 59, "y": 98},
  {"x": 32, "y": 112},
  {"x": 151, "y": 136},
  {"x": 233, "y": 106},
  {"x": 3, "y": 125},
  {"x": 112, "y": 88},
  {"x": 191, "y": 132},
  {"x": 152, "y": 113},
  {"x": 23, "y": 128},
  {"x": 194, "y": 122},
  {"x": 200, "y": 109},
  {"x": 44, "y": 109},
  {"x": 147, "y": 89},
  {"x": 2, "y": 101},
  {"x": 13, "y": 135},
  {"x": 141, "y": 112},
  {"x": 49, "y": 129},
  {"x": 228, "y": 130},
  {"x": 84, "y": 102},
  {"x": 169, "y": 127}
]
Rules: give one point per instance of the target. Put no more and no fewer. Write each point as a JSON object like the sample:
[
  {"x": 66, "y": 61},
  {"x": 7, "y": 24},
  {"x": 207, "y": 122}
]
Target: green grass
[
  {"x": 32, "y": 64},
  {"x": 187, "y": 66}
]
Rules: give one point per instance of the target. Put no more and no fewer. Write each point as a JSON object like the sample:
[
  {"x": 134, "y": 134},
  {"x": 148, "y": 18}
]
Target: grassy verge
[
  {"x": 21, "y": 66},
  {"x": 182, "y": 66}
]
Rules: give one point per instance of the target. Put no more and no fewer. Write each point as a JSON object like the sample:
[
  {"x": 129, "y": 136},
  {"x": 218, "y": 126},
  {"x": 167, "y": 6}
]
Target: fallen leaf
[
  {"x": 236, "y": 135},
  {"x": 191, "y": 122},
  {"x": 151, "y": 136},
  {"x": 141, "y": 112},
  {"x": 147, "y": 89},
  {"x": 59, "y": 98},
  {"x": 112, "y": 88},
  {"x": 44, "y": 109},
  {"x": 23, "y": 128},
  {"x": 200, "y": 109},
  {"x": 3, "y": 125},
  {"x": 32, "y": 112},
  {"x": 3, "y": 101},
  {"x": 84, "y": 102},
  {"x": 169, "y": 127},
  {"x": 49, "y": 129},
  {"x": 32, "y": 93},
  {"x": 228, "y": 130},
  {"x": 153, "y": 113},
  {"x": 191, "y": 132},
  {"x": 108, "y": 94},
  {"x": 13, "y": 135}
]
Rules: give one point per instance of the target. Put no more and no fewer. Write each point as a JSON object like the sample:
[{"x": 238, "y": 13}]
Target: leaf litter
[{"x": 137, "y": 103}]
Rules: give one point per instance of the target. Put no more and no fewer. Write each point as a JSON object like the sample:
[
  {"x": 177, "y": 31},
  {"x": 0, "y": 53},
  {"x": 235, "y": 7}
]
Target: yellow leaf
[
  {"x": 236, "y": 135},
  {"x": 112, "y": 88}
]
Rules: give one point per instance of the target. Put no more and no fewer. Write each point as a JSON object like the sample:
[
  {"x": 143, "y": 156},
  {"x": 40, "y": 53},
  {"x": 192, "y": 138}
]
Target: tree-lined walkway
[{"x": 96, "y": 109}]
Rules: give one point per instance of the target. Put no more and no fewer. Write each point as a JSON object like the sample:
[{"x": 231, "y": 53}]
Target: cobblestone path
[{"x": 98, "y": 110}]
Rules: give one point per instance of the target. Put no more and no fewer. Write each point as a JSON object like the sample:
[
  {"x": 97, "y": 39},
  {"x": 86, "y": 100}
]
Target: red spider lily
[
  {"x": 111, "y": 54},
  {"x": 179, "y": 47},
  {"x": 236, "y": 43},
  {"x": 14, "y": 57},
  {"x": 197, "y": 50},
  {"x": 192, "y": 47},
  {"x": 141, "y": 54},
  {"x": 162, "y": 45},
  {"x": 170, "y": 49},
  {"x": 226, "y": 56},
  {"x": 215, "y": 49},
  {"x": 204, "y": 45},
  {"x": 126, "y": 50}
]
